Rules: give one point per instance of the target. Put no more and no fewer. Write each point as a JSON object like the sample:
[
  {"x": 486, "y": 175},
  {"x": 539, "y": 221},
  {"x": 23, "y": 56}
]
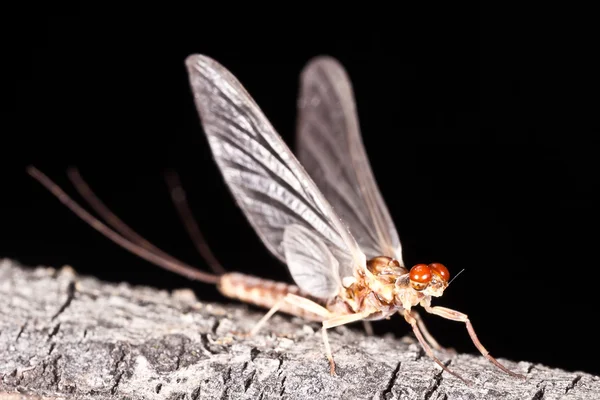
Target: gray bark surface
[{"x": 65, "y": 336}]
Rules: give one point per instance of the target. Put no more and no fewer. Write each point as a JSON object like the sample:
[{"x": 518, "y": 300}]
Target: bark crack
[
  {"x": 420, "y": 354},
  {"x": 67, "y": 303},
  {"x": 180, "y": 354},
  {"x": 205, "y": 345},
  {"x": 21, "y": 330},
  {"x": 226, "y": 378},
  {"x": 196, "y": 393},
  {"x": 282, "y": 391},
  {"x": 53, "y": 332},
  {"x": 55, "y": 371},
  {"x": 279, "y": 373},
  {"x": 215, "y": 326},
  {"x": 437, "y": 381},
  {"x": 387, "y": 392},
  {"x": 539, "y": 394},
  {"x": 119, "y": 375},
  {"x": 248, "y": 381},
  {"x": 571, "y": 385}
]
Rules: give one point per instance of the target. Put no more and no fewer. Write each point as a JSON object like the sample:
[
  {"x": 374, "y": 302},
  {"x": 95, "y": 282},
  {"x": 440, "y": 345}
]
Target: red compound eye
[
  {"x": 420, "y": 274},
  {"x": 440, "y": 270}
]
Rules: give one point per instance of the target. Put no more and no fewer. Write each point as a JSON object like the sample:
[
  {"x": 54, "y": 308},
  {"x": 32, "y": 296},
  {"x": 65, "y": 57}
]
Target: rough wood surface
[{"x": 73, "y": 337}]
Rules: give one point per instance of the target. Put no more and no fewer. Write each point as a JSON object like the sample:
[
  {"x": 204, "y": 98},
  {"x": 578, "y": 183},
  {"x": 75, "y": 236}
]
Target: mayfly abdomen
[{"x": 263, "y": 293}]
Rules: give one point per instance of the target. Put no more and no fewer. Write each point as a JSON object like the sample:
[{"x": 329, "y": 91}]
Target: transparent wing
[
  {"x": 311, "y": 264},
  {"x": 330, "y": 147},
  {"x": 267, "y": 181}
]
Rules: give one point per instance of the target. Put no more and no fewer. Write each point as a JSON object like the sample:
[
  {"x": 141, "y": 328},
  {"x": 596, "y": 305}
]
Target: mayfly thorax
[{"x": 346, "y": 264}]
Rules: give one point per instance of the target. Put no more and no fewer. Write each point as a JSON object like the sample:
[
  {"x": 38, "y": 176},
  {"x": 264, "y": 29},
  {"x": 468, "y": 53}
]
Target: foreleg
[
  {"x": 458, "y": 316},
  {"x": 413, "y": 322}
]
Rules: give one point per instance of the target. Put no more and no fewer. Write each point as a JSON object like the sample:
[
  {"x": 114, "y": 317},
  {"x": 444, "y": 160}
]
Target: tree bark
[{"x": 64, "y": 336}]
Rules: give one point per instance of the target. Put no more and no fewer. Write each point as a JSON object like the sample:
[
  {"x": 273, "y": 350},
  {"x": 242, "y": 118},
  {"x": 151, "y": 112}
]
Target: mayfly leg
[
  {"x": 413, "y": 323},
  {"x": 307, "y": 305},
  {"x": 339, "y": 320},
  {"x": 368, "y": 328},
  {"x": 329, "y": 320},
  {"x": 298, "y": 301},
  {"x": 430, "y": 339},
  {"x": 460, "y": 317},
  {"x": 189, "y": 222}
]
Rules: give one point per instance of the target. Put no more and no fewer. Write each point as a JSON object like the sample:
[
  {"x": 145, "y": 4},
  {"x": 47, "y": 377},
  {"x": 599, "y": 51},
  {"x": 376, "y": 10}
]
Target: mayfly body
[{"x": 320, "y": 212}]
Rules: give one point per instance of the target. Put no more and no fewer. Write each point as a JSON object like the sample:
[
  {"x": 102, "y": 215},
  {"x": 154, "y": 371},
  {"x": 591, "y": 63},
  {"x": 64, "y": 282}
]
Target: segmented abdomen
[{"x": 263, "y": 293}]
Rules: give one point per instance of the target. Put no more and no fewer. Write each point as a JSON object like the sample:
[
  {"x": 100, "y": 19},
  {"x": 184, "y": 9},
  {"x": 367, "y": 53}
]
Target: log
[{"x": 65, "y": 336}]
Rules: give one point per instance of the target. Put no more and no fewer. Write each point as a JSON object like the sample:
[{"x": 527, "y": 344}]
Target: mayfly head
[{"x": 431, "y": 280}]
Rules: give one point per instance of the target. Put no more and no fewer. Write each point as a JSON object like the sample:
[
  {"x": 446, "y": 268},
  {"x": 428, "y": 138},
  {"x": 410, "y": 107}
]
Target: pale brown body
[
  {"x": 264, "y": 293},
  {"x": 357, "y": 297}
]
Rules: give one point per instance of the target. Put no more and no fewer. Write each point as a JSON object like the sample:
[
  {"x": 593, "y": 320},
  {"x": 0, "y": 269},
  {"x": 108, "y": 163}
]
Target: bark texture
[{"x": 64, "y": 336}]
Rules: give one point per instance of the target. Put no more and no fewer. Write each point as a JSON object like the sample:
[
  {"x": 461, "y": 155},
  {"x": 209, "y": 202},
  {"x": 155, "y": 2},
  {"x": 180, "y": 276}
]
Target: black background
[{"x": 480, "y": 125}]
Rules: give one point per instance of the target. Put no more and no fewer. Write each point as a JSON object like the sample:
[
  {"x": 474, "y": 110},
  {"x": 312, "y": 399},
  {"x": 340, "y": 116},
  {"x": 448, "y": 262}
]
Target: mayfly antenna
[{"x": 461, "y": 271}]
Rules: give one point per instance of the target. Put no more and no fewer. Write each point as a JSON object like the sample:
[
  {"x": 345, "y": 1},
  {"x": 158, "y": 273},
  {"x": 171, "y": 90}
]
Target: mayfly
[{"x": 321, "y": 214}]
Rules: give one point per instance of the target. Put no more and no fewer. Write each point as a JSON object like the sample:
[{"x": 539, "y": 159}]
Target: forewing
[
  {"x": 267, "y": 181},
  {"x": 330, "y": 147}
]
